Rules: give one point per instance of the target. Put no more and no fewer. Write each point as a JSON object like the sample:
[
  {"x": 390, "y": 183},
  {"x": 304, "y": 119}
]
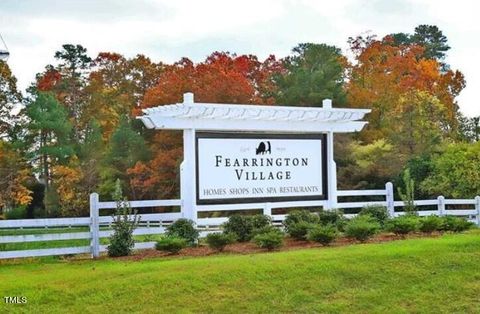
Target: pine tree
[
  {"x": 313, "y": 73},
  {"x": 49, "y": 134}
]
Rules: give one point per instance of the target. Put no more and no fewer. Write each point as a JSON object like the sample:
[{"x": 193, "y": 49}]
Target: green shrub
[
  {"x": 379, "y": 213},
  {"x": 239, "y": 225},
  {"x": 430, "y": 223},
  {"x": 16, "y": 213},
  {"x": 333, "y": 216},
  {"x": 323, "y": 234},
  {"x": 300, "y": 229},
  {"x": 362, "y": 227},
  {"x": 171, "y": 244},
  {"x": 121, "y": 241},
  {"x": 403, "y": 225},
  {"x": 259, "y": 221},
  {"x": 296, "y": 216},
  {"x": 264, "y": 229},
  {"x": 455, "y": 224},
  {"x": 270, "y": 240},
  {"x": 183, "y": 228},
  {"x": 245, "y": 227},
  {"x": 218, "y": 241}
]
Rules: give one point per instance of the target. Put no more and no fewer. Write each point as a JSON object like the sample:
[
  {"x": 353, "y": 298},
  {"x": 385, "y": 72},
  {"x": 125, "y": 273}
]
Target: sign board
[{"x": 259, "y": 167}]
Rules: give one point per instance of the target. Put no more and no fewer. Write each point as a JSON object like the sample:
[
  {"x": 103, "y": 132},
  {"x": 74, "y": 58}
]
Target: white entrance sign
[
  {"x": 240, "y": 168},
  {"x": 316, "y": 180}
]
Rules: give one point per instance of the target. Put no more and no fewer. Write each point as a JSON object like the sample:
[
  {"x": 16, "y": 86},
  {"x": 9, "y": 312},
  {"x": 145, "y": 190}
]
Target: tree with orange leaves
[
  {"x": 221, "y": 78},
  {"x": 72, "y": 197},
  {"x": 385, "y": 72},
  {"x": 412, "y": 94},
  {"x": 116, "y": 87}
]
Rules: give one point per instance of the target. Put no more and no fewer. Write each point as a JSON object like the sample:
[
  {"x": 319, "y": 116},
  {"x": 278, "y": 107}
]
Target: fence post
[
  {"x": 477, "y": 207},
  {"x": 267, "y": 209},
  {"x": 441, "y": 205},
  {"x": 389, "y": 199},
  {"x": 94, "y": 226}
]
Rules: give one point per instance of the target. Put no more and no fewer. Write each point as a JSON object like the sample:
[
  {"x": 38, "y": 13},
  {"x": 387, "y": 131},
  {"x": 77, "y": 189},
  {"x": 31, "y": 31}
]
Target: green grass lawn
[
  {"x": 59, "y": 243},
  {"x": 429, "y": 275}
]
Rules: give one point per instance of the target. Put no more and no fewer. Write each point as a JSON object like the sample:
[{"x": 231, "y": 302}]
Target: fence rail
[
  {"x": 151, "y": 224},
  {"x": 47, "y": 222}
]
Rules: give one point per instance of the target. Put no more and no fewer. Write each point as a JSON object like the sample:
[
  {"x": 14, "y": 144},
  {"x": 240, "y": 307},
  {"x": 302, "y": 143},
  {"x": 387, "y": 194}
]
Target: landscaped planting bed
[{"x": 251, "y": 248}]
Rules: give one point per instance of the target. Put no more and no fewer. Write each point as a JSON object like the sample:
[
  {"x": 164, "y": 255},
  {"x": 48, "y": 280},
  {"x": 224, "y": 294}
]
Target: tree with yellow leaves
[{"x": 14, "y": 174}]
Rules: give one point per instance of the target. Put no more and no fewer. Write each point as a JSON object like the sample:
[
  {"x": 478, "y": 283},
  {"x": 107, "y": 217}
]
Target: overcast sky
[{"x": 168, "y": 30}]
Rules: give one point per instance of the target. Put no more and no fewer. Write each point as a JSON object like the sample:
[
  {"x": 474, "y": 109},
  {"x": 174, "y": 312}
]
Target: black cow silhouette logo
[{"x": 263, "y": 148}]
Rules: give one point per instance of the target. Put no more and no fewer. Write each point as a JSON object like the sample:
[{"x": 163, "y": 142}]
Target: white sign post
[{"x": 238, "y": 154}]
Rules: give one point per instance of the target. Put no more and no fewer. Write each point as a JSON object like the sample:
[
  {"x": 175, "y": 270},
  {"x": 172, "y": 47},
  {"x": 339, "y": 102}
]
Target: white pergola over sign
[
  {"x": 228, "y": 117},
  {"x": 191, "y": 117}
]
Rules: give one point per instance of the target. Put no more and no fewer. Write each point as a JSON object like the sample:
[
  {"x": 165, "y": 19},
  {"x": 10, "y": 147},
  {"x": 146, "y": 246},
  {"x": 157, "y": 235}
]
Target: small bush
[
  {"x": 296, "y": 216},
  {"x": 362, "y": 227},
  {"x": 260, "y": 221},
  {"x": 333, "y": 217},
  {"x": 323, "y": 234},
  {"x": 121, "y": 241},
  {"x": 264, "y": 229},
  {"x": 218, "y": 241},
  {"x": 300, "y": 229},
  {"x": 455, "y": 224},
  {"x": 403, "y": 225},
  {"x": 171, "y": 244},
  {"x": 379, "y": 213},
  {"x": 270, "y": 240},
  {"x": 183, "y": 228},
  {"x": 239, "y": 225},
  {"x": 16, "y": 213},
  {"x": 430, "y": 223}
]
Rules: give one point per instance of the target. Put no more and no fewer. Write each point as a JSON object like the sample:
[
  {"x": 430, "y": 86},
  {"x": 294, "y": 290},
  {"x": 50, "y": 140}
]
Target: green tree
[
  {"x": 9, "y": 98},
  {"x": 428, "y": 36},
  {"x": 49, "y": 134},
  {"x": 418, "y": 124},
  {"x": 73, "y": 68},
  {"x": 313, "y": 73},
  {"x": 408, "y": 195},
  {"x": 90, "y": 154},
  {"x": 369, "y": 166},
  {"x": 420, "y": 168},
  {"x": 469, "y": 128},
  {"x": 81, "y": 176},
  {"x": 432, "y": 38},
  {"x": 455, "y": 172},
  {"x": 125, "y": 148}
]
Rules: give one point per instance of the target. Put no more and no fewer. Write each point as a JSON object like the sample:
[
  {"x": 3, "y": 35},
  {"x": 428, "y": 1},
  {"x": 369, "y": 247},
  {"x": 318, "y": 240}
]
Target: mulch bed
[{"x": 251, "y": 248}]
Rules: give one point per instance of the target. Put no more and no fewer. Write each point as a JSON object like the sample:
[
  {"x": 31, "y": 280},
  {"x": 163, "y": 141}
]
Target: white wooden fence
[{"x": 155, "y": 223}]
